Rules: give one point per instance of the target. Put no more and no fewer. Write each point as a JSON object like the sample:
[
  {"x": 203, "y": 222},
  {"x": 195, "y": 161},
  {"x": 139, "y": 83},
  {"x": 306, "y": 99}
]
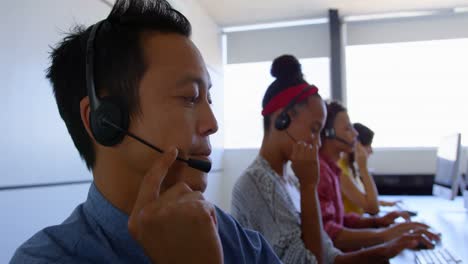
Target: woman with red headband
[{"x": 285, "y": 206}]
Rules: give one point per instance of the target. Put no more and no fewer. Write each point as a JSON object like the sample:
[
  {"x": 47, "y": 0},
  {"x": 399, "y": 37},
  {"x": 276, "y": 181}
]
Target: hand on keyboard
[
  {"x": 399, "y": 229},
  {"x": 406, "y": 241}
]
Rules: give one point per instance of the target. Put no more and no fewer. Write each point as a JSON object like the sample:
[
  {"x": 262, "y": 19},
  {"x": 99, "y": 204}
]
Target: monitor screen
[{"x": 448, "y": 155}]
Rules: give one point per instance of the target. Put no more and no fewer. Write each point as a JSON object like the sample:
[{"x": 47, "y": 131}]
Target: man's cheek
[{"x": 174, "y": 176}]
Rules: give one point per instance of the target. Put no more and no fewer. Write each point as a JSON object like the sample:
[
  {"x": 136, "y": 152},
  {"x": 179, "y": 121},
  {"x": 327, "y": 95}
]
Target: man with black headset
[{"x": 124, "y": 86}]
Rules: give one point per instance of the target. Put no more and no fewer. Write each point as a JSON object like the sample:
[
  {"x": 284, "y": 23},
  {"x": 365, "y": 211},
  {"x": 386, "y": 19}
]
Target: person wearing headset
[
  {"x": 350, "y": 231},
  {"x": 358, "y": 188},
  {"x": 284, "y": 206},
  {"x": 123, "y": 86}
]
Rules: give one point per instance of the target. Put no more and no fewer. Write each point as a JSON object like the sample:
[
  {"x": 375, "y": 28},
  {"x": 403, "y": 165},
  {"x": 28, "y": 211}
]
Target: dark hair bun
[{"x": 286, "y": 67}]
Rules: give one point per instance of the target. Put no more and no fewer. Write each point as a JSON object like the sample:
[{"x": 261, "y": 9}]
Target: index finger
[
  {"x": 151, "y": 183},
  {"x": 415, "y": 225},
  {"x": 405, "y": 215},
  {"x": 316, "y": 141},
  {"x": 430, "y": 235}
]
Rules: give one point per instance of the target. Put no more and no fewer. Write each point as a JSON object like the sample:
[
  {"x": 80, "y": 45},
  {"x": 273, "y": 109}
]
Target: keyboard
[
  {"x": 437, "y": 255},
  {"x": 403, "y": 207}
]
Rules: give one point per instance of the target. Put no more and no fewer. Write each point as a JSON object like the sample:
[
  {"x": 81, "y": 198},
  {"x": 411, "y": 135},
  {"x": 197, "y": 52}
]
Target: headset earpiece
[
  {"x": 107, "y": 110},
  {"x": 282, "y": 121},
  {"x": 329, "y": 133},
  {"x": 112, "y": 110}
]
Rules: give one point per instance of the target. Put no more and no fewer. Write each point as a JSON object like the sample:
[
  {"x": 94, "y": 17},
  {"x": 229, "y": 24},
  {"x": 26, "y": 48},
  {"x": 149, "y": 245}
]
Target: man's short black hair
[{"x": 119, "y": 61}]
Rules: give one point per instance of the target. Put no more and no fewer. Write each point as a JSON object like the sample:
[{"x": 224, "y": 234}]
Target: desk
[{"x": 447, "y": 217}]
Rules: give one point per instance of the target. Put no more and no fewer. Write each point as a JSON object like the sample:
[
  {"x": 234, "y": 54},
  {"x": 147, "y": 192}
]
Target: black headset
[
  {"x": 109, "y": 116},
  {"x": 107, "y": 112},
  {"x": 329, "y": 132},
  {"x": 283, "y": 120}
]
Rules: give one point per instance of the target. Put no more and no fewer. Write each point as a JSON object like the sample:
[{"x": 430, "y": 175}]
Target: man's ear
[{"x": 85, "y": 110}]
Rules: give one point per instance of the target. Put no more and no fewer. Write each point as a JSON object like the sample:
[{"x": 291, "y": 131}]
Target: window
[
  {"x": 245, "y": 85},
  {"x": 411, "y": 94}
]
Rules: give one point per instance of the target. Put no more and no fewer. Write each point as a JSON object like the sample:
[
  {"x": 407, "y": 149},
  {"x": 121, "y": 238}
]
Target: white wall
[{"x": 33, "y": 131}]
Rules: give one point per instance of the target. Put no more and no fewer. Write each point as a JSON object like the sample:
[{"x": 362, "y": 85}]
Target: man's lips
[
  {"x": 201, "y": 157},
  {"x": 201, "y": 153}
]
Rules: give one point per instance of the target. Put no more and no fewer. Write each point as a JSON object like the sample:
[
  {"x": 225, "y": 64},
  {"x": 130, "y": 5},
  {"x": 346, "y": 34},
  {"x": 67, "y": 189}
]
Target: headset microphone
[
  {"x": 201, "y": 165},
  {"x": 109, "y": 118},
  {"x": 344, "y": 141},
  {"x": 330, "y": 133}
]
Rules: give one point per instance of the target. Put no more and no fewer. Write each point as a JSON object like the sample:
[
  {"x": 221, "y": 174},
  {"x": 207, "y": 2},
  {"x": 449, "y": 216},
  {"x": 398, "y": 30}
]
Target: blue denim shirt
[{"x": 96, "y": 232}]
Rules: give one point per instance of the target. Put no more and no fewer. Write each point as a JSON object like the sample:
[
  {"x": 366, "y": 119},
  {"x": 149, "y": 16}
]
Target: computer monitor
[{"x": 447, "y": 175}]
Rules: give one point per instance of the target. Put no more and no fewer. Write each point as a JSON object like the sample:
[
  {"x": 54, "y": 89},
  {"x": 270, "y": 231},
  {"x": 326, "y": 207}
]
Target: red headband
[{"x": 283, "y": 98}]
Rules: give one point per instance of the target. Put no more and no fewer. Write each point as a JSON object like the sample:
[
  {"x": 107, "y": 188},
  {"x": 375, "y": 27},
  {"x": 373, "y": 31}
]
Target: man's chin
[{"x": 196, "y": 181}]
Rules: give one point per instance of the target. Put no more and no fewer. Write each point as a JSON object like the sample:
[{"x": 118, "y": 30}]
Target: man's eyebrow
[{"x": 194, "y": 79}]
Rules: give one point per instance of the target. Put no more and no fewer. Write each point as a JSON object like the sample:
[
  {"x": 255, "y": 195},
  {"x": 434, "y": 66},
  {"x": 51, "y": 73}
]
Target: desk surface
[{"x": 447, "y": 217}]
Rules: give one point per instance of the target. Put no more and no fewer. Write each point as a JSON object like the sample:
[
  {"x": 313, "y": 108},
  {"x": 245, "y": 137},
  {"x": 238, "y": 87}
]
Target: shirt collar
[{"x": 112, "y": 221}]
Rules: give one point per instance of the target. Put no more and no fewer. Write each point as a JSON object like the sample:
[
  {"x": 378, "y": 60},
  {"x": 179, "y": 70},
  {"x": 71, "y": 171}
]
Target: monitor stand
[
  {"x": 464, "y": 189},
  {"x": 442, "y": 191},
  {"x": 465, "y": 195},
  {"x": 463, "y": 184}
]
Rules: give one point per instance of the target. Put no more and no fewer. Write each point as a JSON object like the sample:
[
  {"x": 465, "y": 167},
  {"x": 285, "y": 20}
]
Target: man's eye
[{"x": 190, "y": 100}]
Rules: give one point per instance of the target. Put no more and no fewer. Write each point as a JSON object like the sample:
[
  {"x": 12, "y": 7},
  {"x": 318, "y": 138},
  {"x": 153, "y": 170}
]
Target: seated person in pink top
[{"x": 351, "y": 231}]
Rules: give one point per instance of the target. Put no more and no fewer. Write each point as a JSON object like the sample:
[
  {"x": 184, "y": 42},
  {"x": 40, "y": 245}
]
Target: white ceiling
[{"x": 244, "y": 12}]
